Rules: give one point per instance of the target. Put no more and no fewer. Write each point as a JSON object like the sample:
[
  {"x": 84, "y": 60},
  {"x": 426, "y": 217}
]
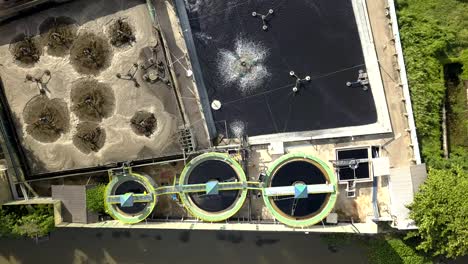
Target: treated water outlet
[
  {"x": 209, "y": 169},
  {"x": 300, "y": 172},
  {"x": 354, "y": 170}
]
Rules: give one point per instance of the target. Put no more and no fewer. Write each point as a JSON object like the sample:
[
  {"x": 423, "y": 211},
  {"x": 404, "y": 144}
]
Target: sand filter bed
[{"x": 66, "y": 60}]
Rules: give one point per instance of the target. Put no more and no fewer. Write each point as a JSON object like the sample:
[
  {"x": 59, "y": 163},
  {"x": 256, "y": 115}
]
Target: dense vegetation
[
  {"x": 441, "y": 211},
  {"x": 434, "y": 33},
  {"x": 26, "y": 220},
  {"x": 380, "y": 249},
  {"x": 95, "y": 199},
  {"x": 394, "y": 249},
  {"x": 435, "y": 42},
  {"x": 35, "y": 221}
]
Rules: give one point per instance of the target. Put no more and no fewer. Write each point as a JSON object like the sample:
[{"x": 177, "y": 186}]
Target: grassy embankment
[{"x": 434, "y": 34}]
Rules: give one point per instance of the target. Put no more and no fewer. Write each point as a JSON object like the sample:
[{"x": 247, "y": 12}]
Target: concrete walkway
[{"x": 167, "y": 19}]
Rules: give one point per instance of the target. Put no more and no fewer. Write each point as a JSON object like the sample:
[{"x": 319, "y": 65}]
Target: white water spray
[
  {"x": 237, "y": 128},
  {"x": 244, "y": 66}
]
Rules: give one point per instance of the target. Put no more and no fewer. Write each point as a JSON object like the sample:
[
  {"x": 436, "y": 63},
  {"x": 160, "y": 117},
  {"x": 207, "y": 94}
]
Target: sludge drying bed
[{"x": 65, "y": 61}]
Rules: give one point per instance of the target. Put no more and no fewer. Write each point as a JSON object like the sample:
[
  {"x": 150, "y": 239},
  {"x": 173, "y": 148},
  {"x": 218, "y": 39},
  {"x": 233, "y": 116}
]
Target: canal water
[
  {"x": 170, "y": 246},
  {"x": 248, "y": 69},
  {"x": 77, "y": 245}
]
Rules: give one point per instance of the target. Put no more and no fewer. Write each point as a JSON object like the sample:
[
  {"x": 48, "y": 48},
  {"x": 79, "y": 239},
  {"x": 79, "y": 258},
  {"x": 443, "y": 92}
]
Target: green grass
[
  {"x": 380, "y": 249},
  {"x": 457, "y": 121},
  {"x": 434, "y": 35},
  {"x": 430, "y": 41},
  {"x": 392, "y": 250},
  {"x": 457, "y": 116},
  {"x": 95, "y": 199},
  {"x": 26, "y": 220}
]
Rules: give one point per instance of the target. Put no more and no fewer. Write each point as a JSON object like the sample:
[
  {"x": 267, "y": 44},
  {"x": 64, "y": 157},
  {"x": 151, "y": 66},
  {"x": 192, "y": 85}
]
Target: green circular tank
[
  {"x": 299, "y": 168},
  {"x": 132, "y": 186},
  {"x": 218, "y": 168}
]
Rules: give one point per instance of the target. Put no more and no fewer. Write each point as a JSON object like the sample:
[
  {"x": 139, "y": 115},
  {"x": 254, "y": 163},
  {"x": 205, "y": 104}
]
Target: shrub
[
  {"x": 29, "y": 221},
  {"x": 95, "y": 199},
  {"x": 440, "y": 211}
]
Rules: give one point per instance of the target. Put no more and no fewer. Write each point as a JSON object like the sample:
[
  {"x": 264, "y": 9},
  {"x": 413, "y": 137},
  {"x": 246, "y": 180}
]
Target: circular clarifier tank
[
  {"x": 300, "y": 169},
  {"x": 212, "y": 168},
  {"x": 127, "y": 187}
]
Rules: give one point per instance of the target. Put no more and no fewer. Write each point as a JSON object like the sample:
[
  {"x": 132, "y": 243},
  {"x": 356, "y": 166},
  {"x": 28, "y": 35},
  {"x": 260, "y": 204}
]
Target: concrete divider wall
[{"x": 404, "y": 81}]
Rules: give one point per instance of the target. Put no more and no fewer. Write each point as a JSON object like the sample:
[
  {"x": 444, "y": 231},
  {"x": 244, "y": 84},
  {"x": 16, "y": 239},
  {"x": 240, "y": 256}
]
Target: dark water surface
[
  {"x": 76, "y": 245},
  {"x": 306, "y": 173},
  {"x": 315, "y": 38},
  {"x": 172, "y": 247},
  {"x": 213, "y": 170}
]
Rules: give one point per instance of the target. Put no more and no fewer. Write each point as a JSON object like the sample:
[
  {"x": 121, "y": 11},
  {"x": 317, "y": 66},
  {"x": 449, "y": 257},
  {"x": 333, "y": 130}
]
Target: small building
[{"x": 73, "y": 203}]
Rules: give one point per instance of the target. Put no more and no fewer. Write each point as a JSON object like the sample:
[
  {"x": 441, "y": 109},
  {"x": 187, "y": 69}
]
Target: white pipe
[{"x": 444, "y": 131}]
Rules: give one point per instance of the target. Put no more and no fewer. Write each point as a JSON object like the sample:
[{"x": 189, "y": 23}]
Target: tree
[
  {"x": 34, "y": 225},
  {"x": 95, "y": 199},
  {"x": 440, "y": 211},
  {"x": 6, "y": 223},
  {"x": 30, "y": 221}
]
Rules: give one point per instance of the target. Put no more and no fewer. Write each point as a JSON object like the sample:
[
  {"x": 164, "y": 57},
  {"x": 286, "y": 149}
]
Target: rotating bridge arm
[{"x": 296, "y": 190}]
